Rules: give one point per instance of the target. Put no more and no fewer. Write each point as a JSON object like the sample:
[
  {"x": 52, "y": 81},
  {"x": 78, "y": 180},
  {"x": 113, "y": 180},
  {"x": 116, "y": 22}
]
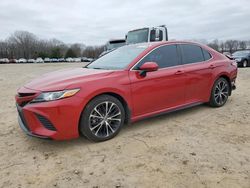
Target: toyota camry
[{"x": 128, "y": 84}]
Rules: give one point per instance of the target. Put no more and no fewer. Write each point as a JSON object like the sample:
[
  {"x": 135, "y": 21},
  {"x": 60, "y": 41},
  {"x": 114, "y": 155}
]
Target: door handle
[
  {"x": 179, "y": 72},
  {"x": 212, "y": 66}
]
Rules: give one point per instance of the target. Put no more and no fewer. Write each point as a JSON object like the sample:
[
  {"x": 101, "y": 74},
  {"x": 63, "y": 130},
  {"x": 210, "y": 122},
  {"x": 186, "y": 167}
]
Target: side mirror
[{"x": 148, "y": 67}]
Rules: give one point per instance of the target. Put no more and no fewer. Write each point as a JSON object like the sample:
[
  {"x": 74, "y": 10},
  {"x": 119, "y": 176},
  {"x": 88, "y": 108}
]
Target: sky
[{"x": 94, "y": 22}]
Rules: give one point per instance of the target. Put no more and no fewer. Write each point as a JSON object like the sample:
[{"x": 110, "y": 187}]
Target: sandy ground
[{"x": 197, "y": 147}]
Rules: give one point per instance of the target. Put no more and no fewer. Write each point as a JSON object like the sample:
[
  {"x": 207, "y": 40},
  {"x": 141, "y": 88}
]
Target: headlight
[{"x": 51, "y": 96}]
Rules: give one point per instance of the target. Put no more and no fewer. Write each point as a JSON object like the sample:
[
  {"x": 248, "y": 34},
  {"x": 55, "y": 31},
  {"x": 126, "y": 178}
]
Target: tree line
[
  {"x": 23, "y": 44},
  {"x": 229, "y": 45}
]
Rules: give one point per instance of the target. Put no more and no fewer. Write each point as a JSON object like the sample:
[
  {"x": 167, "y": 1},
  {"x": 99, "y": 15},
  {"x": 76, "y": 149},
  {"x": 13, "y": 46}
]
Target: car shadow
[
  {"x": 45, "y": 145},
  {"x": 163, "y": 117}
]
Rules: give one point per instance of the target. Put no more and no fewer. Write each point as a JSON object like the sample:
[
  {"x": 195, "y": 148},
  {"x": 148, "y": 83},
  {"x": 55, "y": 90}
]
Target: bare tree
[
  {"x": 214, "y": 44},
  {"x": 93, "y": 51},
  {"x": 76, "y": 49},
  {"x": 4, "y": 49},
  {"x": 242, "y": 45},
  {"x": 222, "y": 46},
  {"x": 232, "y": 45},
  {"x": 24, "y": 42}
]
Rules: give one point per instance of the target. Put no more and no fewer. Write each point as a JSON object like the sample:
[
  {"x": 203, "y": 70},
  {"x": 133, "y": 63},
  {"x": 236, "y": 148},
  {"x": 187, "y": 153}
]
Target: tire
[
  {"x": 219, "y": 93},
  {"x": 102, "y": 118},
  {"x": 244, "y": 64}
]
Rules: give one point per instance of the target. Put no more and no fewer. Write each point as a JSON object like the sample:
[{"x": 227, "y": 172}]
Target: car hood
[{"x": 62, "y": 79}]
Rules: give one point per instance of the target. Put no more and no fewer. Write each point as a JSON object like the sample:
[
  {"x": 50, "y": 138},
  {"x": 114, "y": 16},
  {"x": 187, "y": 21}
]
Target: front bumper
[
  {"x": 57, "y": 120},
  {"x": 24, "y": 127}
]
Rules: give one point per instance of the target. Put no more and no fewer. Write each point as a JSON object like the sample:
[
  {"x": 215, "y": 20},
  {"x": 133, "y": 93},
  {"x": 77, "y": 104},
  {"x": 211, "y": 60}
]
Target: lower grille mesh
[
  {"x": 20, "y": 113},
  {"x": 45, "y": 122}
]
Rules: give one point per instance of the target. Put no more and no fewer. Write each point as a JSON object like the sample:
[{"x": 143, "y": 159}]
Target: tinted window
[
  {"x": 206, "y": 54},
  {"x": 191, "y": 53},
  {"x": 165, "y": 56},
  {"x": 153, "y": 35}
]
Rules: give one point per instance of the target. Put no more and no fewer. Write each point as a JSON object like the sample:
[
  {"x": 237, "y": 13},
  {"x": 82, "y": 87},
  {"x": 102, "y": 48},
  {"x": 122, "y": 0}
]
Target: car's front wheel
[
  {"x": 220, "y": 93},
  {"x": 102, "y": 118}
]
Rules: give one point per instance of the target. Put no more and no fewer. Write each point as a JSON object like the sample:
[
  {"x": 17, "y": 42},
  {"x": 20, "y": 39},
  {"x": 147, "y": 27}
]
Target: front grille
[
  {"x": 25, "y": 94},
  {"x": 45, "y": 122},
  {"x": 20, "y": 113},
  {"x": 24, "y": 98}
]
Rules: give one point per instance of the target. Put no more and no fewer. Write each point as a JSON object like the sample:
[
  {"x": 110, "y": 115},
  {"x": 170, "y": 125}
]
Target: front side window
[
  {"x": 164, "y": 56},
  {"x": 153, "y": 35},
  {"x": 191, "y": 53}
]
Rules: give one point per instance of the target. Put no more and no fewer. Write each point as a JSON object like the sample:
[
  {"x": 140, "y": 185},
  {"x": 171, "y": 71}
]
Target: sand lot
[{"x": 197, "y": 147}]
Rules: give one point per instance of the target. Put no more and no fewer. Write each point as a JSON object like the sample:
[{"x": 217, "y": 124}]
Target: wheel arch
[{"x": 124, "y": 104}]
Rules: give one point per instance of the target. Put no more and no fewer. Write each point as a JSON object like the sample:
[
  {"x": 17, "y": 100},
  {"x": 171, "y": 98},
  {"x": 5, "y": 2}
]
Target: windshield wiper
[{"x": 97, "y": 68}]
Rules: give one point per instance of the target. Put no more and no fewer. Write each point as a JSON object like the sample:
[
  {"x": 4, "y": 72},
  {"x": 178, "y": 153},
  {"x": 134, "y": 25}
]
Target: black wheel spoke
[
  {"x": 105, "y": 119},
  {"x": 221, "y": 92}
]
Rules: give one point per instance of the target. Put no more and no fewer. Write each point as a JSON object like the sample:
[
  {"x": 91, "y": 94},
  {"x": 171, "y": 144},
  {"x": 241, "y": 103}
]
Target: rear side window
[
  {"x": 191, "y": 53},
  {"x": 206, "y": 54},
  {"x": 165, "y": 56}
]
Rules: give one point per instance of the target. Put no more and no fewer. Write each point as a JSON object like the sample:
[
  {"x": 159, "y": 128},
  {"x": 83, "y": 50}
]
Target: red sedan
[{"x": 126, "y": 85}]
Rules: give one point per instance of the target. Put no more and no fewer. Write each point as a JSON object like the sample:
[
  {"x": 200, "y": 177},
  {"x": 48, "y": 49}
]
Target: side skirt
[{"x": 165, "y": 111}]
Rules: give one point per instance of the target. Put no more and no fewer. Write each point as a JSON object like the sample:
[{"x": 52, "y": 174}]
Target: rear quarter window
[{"x": 206, "y": 54}]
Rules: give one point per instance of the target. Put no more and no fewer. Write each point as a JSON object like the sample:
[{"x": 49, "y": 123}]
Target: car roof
[
  {"x": 156, "y": 44},
  {"x": 152, "y": 45}
]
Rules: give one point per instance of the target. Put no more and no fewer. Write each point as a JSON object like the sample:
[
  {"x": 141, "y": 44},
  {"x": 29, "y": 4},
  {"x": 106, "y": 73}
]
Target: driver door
[{"x": 159, "y": 90}]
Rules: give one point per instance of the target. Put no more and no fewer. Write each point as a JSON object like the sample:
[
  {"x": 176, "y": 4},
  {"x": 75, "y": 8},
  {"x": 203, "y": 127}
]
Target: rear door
[
  {"x": 161, "y": 89},
  {"x": 198, "y": 70}
]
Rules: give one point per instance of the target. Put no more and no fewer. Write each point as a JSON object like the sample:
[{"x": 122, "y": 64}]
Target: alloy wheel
[
  {"x": 105, "y": 119},
  {"x": 221, "y": 92}
]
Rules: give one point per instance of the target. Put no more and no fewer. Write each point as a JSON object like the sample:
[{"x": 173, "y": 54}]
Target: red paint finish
[{"x": 159, "y": 91}]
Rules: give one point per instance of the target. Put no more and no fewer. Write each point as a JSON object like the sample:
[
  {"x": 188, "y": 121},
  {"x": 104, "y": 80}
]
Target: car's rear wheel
[
  {"x": 244, "y": 63},
  {"x": 102, "y": 119},
  {"x": 220, "y": 93}
]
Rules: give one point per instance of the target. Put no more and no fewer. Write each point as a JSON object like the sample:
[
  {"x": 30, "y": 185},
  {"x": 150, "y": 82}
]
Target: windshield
[
  {"x": 137, "y": 36},
  {"x": 119, "y": 58},
  {"x": 112, "y": 45},
  {"x": 240, "y": 53}
]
